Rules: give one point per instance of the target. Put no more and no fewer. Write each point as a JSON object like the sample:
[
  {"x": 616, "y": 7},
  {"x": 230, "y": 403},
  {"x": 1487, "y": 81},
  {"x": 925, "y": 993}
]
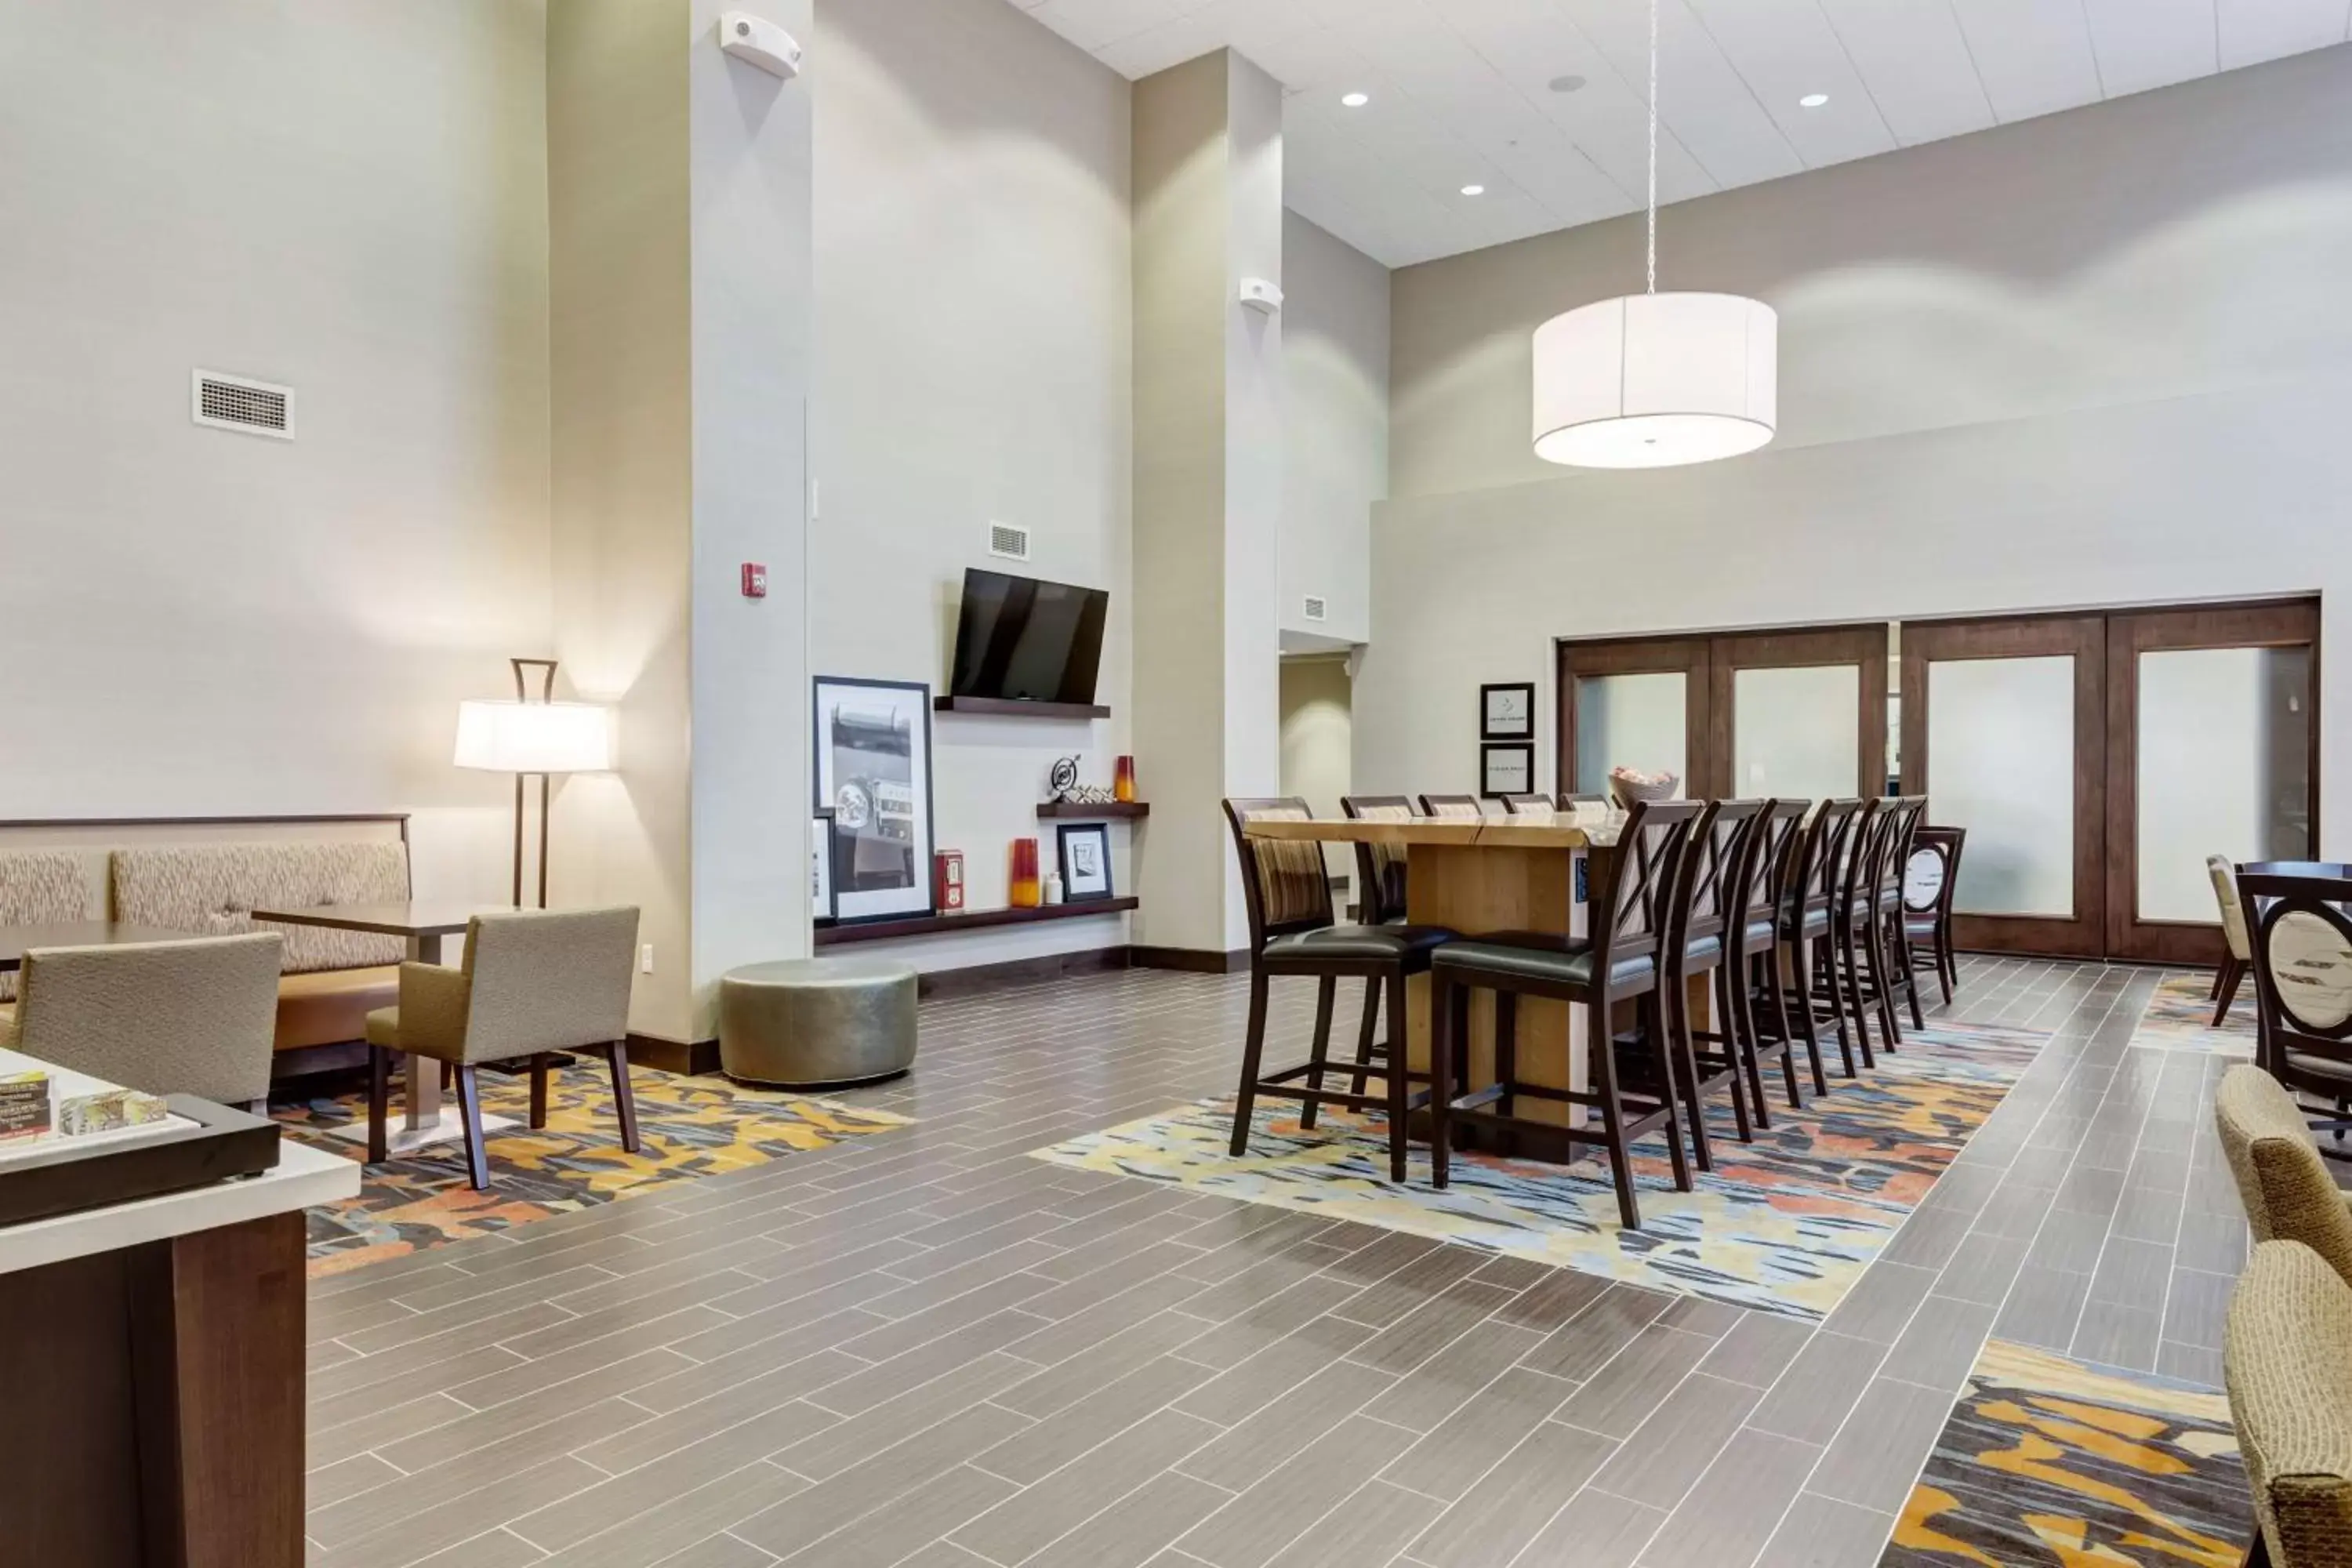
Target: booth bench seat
[{"x": 329, "y": 1007}]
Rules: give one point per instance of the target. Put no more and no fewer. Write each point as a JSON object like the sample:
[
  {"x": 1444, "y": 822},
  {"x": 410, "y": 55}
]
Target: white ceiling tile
[
  {"x": 2256, "y": 30},
  {"x": 1784, "y": 49},
  {"x": 1460, "y": 89},
  {"x": 2142, "y": 44},
  {"x": 2033, "y": 55},
  {"x": 1914, "y": 64}
]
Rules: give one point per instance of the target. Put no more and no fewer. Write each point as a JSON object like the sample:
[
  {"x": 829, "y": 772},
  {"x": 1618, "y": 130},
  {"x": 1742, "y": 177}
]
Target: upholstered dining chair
[
  {"x": 2286, "y": 1357},
  {"x": 1294, "y": 932},
  {"x": 1452, "y": 805},
  {"x": 534, "y": 983},
  {"x": 37, "y": 885},
  {"x": 2283, "y": 1182},
  {"x": 1618, "y": 962},
  {"x": 1931, "y": 878},
  {"x": 194, "y": 1018},
  {"x": 2240, "y": 953}
]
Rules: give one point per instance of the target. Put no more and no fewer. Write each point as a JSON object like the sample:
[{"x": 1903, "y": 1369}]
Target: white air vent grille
[
  {"x": 1316, "y": 609},
  {"x": 1009, "y": 542},
  {"x": 234, "y": 402}
]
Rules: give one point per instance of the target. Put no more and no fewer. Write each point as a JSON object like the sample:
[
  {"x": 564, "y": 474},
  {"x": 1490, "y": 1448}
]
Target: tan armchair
[
  {"x": 534, "y": 983},
  {"x": 2282, "y": 1178},
  {"x": 2287, "y": 1359},
  {"x": 2240, "y": 954},
  {"x": 169, "y": 1018}
]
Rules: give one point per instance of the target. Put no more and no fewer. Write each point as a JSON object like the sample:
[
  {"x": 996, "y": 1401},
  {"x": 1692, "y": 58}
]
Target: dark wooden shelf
[
  {"x": 1011, "y": 707},
  {"x": 970, "y": 919},
  {"x": 1080, "y": 811}
]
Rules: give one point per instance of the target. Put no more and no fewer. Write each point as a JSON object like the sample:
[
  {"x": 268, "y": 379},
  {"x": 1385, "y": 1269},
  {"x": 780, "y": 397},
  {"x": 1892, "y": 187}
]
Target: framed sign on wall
[
  {"x": 1506, "y": 767},
  {"x": 1508, "y": 711},
  {"x": 874, "y": 772}
]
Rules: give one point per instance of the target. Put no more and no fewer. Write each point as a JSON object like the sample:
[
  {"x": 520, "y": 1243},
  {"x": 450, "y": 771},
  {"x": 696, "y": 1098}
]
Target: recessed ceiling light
[
  {"x": 1357, "y": 99},
  {"x": 1812, "y": 100},
  {"x": 1473, "y": 190},
  {"x": 1568, "y": 84}
]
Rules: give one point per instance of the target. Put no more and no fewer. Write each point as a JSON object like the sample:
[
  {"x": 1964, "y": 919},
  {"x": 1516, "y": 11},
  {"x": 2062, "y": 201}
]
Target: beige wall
[
  {"x": 1318, "y": 730},
  {"x": 972, "y": 366},
  {"x": 1335, "y": 361},
  {"x": 201, "y": 622},
  {"x": 2092, "y": 359}
]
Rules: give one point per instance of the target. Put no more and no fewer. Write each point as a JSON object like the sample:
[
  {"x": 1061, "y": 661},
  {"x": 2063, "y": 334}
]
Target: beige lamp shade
[
  {"x": 508, "y": 737},
  {"x": 1651, "y": 381}
]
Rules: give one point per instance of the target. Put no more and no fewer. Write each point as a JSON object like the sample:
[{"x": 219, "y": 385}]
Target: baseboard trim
[
  {"x": 1023, "y": 970},
  {"x": 692, "y": 1057},
  {"x": 1190, "y": 959}
]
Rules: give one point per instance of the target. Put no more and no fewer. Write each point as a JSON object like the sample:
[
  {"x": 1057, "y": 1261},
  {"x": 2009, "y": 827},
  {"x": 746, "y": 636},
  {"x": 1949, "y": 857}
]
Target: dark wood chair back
[
  {"x": 1379, "y": 867},
  {"x": 1451, "y": 805},
  {"x": 1821, "y": 851},
  {"x": 1707, "y": 884},
  {"x": 1895, "y": 854},
  {"x": 1931, "y": 871},
  {"x": 1638, "y": 884},
  {"x": 1762, "y": 883},
  {"x": 1858, "y": 866},
  {"x": 1284, "y": 881},
  {"x": 2302, "y": 939},
  {"x": 1529, "y": 804}
]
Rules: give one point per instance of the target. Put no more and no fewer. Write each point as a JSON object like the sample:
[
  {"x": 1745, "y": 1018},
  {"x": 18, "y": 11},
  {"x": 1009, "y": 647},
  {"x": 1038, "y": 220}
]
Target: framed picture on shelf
[
  {"x": 1506, "y": 767},
  {"x": 1084, "y": 850},
  {"x": 1508, "y": 711},
  {"x": 821, "y": 862},
  {"x": 874, "y": 774}
]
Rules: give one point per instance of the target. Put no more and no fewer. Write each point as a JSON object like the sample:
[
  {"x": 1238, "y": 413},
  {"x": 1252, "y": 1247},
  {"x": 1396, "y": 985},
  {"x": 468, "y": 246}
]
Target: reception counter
[{"x": 152, "y": 1370}]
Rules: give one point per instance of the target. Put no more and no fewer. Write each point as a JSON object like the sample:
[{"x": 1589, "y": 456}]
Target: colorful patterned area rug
[
  {"x": 1784, "y": 1224},
  {"x": 2180, "y": 1017},
  {"x": 2055, "y": 1461},
  {"x": 688, "y": 1128}
]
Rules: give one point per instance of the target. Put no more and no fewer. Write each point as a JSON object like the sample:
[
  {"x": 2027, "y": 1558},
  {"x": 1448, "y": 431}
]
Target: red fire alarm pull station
[{"x": 755, "y": 580}]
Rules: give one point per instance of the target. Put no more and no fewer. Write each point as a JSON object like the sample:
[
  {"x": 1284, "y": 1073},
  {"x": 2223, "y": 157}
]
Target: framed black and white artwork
[
  {"x": 1508, "y": 711},
  {"x": 1506, "y": 767},
  {"x": 820, "y": 855},
  {"x": 1085, "y": 853},
  {"x": 873, "y": 773}
]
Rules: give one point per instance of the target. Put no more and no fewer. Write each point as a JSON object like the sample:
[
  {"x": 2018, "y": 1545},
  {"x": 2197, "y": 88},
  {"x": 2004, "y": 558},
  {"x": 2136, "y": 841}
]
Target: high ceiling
[{"x": 1540, "y": 102}]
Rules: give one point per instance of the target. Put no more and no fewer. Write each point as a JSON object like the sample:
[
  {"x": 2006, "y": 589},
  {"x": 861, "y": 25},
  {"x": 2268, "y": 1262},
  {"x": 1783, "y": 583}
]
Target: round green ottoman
[{"x": 806, "y": 1023}]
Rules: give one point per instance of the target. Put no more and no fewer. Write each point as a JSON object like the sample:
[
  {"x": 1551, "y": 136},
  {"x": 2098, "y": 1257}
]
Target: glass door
[
  {"x": 2004, "y": 730},
  {"x": 1800, "y": 715},
  {"x": 2212, "y": 741},
  {"x": 1638, "y": 703}
]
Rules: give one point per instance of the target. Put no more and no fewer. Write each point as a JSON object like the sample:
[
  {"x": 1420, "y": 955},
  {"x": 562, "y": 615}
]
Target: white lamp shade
[
  {"x": 1651, "y": 381},
  {"x": 535, "y": 737}
]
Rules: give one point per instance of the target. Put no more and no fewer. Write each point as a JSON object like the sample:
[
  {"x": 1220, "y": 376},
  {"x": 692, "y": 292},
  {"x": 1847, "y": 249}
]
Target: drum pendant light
[{"x": 1651, "y": 380}]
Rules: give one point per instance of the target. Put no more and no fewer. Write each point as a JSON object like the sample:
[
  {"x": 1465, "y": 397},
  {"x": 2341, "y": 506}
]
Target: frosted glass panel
[
  {"x": 1629, "y": 722},
  {"x": 2000, "y": 763},
  {"x": 1794, "y": 731},
  {"x": 2224, "y": 768}
]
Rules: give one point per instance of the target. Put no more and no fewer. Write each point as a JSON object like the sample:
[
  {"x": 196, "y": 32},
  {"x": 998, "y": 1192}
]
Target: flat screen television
[{"x": 1022, "y": 640}]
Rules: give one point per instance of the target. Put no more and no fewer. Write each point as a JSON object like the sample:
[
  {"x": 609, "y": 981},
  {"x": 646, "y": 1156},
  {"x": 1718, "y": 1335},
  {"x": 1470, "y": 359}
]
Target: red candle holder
[
  {"x": 1023, "y": 887},
  {"x": 1122, "y": 780}
]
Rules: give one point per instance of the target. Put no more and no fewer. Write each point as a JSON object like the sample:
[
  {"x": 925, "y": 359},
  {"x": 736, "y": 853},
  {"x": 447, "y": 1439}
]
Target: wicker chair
[
  {"x": 2283, "y": 1182},
  {"x": 534, "y": 983},
  {"x": 2287, "y": 1360},
  {"x": 2241, "y": 955}
]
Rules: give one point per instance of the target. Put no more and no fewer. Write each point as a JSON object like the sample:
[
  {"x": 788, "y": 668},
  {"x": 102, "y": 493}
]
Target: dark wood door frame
[
  {"x": 1683, "y": 655},
  {"x": 2083, "y": 932},
  {"x": 2129, "y": 634},
  {"x": 1865, "y": 645}
]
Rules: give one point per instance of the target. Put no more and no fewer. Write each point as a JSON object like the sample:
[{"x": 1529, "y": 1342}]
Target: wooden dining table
[{"x": 1484, "y": 877}]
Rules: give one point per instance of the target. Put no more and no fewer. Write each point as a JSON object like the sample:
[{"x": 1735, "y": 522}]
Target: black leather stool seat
[
  {"x": 1531, "y": 959},
  {"x": 1409, "y": 945}
]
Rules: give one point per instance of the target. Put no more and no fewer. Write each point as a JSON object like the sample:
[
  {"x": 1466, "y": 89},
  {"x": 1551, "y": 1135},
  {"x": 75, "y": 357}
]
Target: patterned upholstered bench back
[
  {"x": 214, "y": 889},
  {"x": 38, "y": 885}
]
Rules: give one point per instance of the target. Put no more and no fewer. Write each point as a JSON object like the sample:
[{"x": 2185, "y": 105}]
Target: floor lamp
[{"x": 524, "y": 736}]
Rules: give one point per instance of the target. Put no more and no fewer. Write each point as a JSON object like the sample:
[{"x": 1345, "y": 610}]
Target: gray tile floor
[{"x": 926, "y": 1349}]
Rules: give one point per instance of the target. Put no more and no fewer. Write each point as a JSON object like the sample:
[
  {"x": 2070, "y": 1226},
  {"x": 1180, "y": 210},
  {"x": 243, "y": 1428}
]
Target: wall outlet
[{"x": 646, "y": 959}]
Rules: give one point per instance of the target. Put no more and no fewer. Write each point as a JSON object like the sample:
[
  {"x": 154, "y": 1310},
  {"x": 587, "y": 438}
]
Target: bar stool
[
  {"x": 1891, "y": 962},
  {"x": 1380, "y": 872},
  {"x": 1760, "y": 997},
  {"x": 1452, "y": 807},
  {"x": 1619, "y": 963},
  {"x": 1292, "y": 932},
  {"x": 1805, "y": 926},
  {"x": 1850, "y": 926},
  {"x": 1700, "y": 915}
]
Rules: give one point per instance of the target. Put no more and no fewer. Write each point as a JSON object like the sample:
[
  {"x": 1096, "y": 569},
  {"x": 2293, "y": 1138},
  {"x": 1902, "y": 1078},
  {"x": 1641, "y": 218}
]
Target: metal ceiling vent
[
  {"x": 1317, "y": 610},
  {"x": 1011, "y": 543},
  {"x": 238, "y": 403}
]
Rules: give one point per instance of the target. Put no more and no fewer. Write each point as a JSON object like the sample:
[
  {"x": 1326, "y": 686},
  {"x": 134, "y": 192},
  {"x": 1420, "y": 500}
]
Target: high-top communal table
[{"x": 1496, "y": 874}]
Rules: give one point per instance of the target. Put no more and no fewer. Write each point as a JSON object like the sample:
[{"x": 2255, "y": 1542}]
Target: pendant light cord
[{"x": 1653, "y": 146}]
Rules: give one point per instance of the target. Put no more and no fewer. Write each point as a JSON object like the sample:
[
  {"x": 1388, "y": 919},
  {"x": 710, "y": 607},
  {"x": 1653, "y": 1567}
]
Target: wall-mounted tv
[{"x": 1022, "y": 640}]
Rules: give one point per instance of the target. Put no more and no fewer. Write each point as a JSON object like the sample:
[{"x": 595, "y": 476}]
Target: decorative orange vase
[
  {"x": 1122, "y": 780},
  {"x": 1025, "y": 890}
]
